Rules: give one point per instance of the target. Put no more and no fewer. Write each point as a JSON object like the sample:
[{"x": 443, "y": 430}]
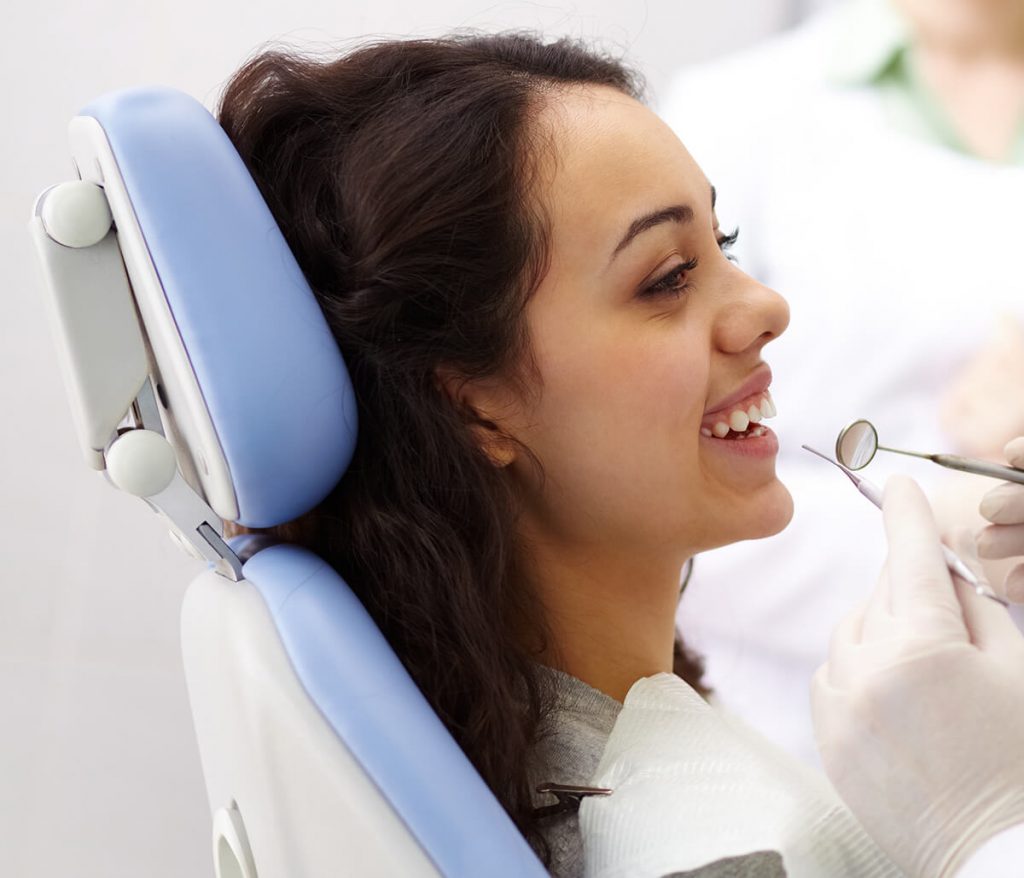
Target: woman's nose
[{"x": 751, "y": 316}]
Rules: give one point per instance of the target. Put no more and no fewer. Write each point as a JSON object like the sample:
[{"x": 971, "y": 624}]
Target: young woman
[
  {"x": 559, "y": 374},
  {"x": 561, "y": 388}
]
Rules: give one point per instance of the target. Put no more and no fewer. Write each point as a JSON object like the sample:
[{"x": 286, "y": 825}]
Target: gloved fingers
[
  {"x": 1014, "y": 452},
  {"x": 827, "y": 713},
  {"x": 842, "y": 649},
  {"x": 987, "y": 621},
  {"x": 1001, "y": 540},
  {"x": 962, "y": 542},
  {"x": 922, "y": 597},
  {"x": 1004, "y": 504},
  {"x": 838, "y": 732},
  {"x": 1013, "y": 587},
  {"x": 989, "y": 624},
  {"x": 878, "y": 621}
]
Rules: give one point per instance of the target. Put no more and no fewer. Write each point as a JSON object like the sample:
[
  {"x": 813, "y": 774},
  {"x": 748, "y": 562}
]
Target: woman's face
[{"x": 645, "y": 337}]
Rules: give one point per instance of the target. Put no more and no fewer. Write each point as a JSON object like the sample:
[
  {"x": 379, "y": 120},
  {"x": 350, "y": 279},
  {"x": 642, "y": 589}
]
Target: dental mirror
[{"x": 857, "y": 443}]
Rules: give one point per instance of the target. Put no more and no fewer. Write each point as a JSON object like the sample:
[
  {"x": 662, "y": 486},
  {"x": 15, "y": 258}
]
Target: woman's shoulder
[
  {"x": 570, "y": 745},
  {"x": 573, "y": 740},
  {"x": 575, "y": 730}
]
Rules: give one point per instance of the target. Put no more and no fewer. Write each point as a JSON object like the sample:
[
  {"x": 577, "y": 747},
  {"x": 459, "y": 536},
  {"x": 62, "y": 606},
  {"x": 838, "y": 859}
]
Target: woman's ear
[{"x": 484, "y": 405}]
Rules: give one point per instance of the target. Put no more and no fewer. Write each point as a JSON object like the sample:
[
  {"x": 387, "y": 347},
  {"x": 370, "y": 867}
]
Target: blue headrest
[{"x": 267, "y": 365}]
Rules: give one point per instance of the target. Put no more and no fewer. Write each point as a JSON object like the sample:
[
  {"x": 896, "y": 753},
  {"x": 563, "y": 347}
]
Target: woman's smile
[{"x": 735, "y": 425}]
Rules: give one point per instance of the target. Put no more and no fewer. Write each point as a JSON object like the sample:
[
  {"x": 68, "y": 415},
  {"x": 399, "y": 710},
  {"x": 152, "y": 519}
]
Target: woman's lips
[{"x": 757, "y": 383}]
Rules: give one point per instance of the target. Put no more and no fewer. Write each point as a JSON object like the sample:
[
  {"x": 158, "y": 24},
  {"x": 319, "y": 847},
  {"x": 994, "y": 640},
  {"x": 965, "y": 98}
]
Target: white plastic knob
[
  {"x": 141, "y": 462},
  {"x": 76, "y": 214}
]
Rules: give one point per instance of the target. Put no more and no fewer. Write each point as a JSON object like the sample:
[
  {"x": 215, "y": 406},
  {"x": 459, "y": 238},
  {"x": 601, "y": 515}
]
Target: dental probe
[{"x": 954, "y": 563}]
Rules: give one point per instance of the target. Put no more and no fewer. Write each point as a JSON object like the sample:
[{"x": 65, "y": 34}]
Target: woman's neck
[
  {"x": 966, "y": 29},
  {"x": 974, "y": 65},
  {"x": 982, "y": 94},
  {"x": 610, "y": 620}
]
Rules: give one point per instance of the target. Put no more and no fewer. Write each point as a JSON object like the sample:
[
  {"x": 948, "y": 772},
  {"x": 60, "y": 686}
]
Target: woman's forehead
[{"x": 611, "y": 159}]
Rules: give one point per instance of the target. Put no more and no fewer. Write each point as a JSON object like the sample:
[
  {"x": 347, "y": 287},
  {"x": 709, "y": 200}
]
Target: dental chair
[{"x": 204, "y": 380}]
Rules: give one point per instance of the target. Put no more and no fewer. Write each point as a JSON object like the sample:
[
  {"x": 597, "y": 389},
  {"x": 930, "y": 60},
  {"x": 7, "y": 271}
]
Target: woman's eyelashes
[
  {"x": 726, "y": 241},
  {"x": 675, "y": 282}
]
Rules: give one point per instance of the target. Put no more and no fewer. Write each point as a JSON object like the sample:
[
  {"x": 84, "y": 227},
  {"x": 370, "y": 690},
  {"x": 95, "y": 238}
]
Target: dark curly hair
[{"x": 401, "y": 175}]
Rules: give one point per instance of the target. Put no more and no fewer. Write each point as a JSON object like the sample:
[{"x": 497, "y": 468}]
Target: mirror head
[{"x": 857, "y": 444}]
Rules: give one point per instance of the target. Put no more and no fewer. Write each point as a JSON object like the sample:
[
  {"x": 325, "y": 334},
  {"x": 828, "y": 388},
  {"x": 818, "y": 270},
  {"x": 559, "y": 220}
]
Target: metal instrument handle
[{"x": 980, "y": 467}]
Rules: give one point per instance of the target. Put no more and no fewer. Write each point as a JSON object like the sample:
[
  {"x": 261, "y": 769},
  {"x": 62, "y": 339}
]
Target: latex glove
[
  {"x": 919, "y": 711},
  {"x": 955, "y": 499},
  {"x": 1004, "y": 538},
  {"x": 983, "y": 406}
]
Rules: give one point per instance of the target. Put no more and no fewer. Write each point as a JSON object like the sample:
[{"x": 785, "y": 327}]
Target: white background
[{"x": 99, "y": 771}]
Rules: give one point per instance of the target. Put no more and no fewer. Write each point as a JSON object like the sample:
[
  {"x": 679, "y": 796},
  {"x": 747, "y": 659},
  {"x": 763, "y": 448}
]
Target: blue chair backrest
[{"x": 281, "y": 403}]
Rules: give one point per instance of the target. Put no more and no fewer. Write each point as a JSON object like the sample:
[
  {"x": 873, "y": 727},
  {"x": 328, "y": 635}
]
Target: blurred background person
[{"x": 873, "y": 160}]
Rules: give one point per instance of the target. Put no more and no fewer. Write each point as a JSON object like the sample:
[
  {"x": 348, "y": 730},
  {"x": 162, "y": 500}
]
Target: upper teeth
[{"x": 739, "y": 419}]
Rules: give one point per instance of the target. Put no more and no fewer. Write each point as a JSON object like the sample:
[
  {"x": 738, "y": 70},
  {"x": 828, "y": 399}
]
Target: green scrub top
[{"x": 875, "y": 49}]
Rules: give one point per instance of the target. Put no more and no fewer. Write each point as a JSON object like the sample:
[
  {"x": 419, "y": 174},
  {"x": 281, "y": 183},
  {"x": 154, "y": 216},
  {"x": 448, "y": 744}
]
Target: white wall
[{"x": 99, "y": 772}]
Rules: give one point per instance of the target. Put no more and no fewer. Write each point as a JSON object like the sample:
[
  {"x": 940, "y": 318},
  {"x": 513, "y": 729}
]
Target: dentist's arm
[{"x": 919, "y": 711}]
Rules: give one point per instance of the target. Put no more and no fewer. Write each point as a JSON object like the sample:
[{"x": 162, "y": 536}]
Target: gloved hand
[
  {"x": 1004, "y": 538},
  {"x": 983, "y": 405},
  {"x": 919, "y": 711}
]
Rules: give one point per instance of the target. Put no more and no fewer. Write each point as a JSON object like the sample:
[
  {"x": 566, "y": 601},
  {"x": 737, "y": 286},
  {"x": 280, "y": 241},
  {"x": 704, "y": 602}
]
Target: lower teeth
[
  {"x": 749, "y": 433},
  {"x": 752, "y": 431}
]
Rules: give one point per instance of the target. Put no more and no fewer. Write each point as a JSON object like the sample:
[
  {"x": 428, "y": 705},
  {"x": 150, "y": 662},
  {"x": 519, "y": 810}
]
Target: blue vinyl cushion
[
  {"x": 366, "y": 695},
  {"x": 265, "y": 360}
]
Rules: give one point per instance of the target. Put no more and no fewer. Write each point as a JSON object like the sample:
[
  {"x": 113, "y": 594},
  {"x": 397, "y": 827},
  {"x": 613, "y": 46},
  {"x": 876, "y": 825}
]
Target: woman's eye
[
  {"x": 726, "y": 241},
  {"x": 673, "y": 282}
]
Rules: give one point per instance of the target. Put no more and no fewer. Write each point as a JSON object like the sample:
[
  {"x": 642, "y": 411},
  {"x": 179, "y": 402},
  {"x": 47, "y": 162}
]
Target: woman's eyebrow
[{"x": 677, "y": 213}]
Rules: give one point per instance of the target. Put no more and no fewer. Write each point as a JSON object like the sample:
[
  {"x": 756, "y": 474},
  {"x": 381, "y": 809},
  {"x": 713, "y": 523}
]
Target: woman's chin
[
  {"x": 780, "y": 513},
  {"x": 773, "y": 513}
]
